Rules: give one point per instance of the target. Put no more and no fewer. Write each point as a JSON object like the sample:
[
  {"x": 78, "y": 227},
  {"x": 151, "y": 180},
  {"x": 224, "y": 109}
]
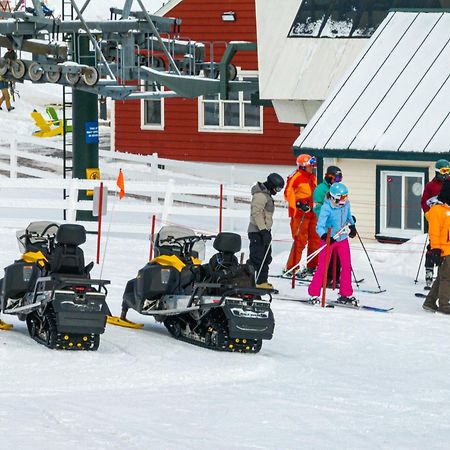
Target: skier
[
  {"x": 261, "y": 220},
  {"x": 332, "y": 175},
  {"x": 299, "y": 195},
  {"x": 335, "y": 213},
  {"x": 4, "y": 88},
  {"x": 429, "y": 197},
  {"x": 439, "y": 228}
]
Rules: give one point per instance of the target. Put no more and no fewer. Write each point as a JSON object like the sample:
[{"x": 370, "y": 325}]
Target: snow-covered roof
[
  {"x": 168, "y": 6},
  {"x": 396, "y": 96}
]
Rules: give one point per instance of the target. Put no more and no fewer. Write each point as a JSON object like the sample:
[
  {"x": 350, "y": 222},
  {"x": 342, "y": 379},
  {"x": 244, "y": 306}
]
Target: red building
[{"x": 208, "y": 128}]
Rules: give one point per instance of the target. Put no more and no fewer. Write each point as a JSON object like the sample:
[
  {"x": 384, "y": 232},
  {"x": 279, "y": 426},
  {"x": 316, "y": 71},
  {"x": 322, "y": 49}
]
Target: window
[
  {"x": 152, "y": 111},
  {"x": 236, "y": 114},
  {"x": 350, "y": 18},
  {"x": 399, "y": 211}
]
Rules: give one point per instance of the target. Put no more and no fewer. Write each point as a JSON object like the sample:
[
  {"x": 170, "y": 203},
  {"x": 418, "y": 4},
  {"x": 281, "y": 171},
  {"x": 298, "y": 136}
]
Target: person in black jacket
[{"x": 259, "y": 229}]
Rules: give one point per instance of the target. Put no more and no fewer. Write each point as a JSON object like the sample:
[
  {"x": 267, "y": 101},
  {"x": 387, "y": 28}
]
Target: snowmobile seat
[
  {"x": 227, "y": 244},
  {"x": 67, "y": 257},
  {"x": 224, "y": 267}
]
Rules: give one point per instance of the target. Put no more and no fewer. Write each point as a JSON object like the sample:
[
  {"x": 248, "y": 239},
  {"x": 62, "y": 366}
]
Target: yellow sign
[{"x": 92, "y": 174}]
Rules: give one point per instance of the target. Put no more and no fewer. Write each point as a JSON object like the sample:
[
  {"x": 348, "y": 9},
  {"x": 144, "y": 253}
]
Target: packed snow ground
[{"x": 330, "y": 378}]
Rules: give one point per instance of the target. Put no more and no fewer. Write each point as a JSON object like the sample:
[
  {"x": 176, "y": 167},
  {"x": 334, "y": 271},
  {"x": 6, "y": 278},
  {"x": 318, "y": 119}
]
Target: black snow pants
[{"x": 257, "y": 252}]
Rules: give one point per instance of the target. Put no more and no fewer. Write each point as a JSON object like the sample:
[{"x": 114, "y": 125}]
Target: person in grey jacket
[{"x": 261, "y": 219}]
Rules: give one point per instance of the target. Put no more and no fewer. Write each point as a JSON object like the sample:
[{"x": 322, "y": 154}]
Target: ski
[
  {"x": 366, "y": 307},
  {"x": 371, "y": 291},
  {"x": 420, "y": 295}
]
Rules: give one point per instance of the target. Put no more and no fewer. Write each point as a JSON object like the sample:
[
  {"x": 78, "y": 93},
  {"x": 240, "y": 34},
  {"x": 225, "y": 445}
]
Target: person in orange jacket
[
  {"x": 439, "y": 230},
  {"x": 299, "y": 195}
]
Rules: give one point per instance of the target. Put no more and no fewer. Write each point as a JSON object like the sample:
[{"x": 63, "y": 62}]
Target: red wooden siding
[{"x": 180, "y": 139}]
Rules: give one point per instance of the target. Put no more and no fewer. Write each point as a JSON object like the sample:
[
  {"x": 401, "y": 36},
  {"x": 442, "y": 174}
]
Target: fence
[{"x": 181, "y": 195}]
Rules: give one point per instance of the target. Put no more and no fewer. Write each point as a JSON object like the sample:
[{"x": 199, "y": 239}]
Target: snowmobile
[
  {"x": 50, "y": 288},
  {"x": 214, "y": 305}
]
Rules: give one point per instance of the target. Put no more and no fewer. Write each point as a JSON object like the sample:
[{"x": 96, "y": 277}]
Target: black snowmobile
[
  {"x": 215, "y": 305},
  {"x": 50, "y": 288}
]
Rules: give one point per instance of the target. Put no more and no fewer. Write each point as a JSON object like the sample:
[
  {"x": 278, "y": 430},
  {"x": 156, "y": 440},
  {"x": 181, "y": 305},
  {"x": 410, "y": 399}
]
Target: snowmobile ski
[
  {"x": 353, "y": 306},
  {"x": 118, "y": 322},
  {"x": 5, "y": 326}
]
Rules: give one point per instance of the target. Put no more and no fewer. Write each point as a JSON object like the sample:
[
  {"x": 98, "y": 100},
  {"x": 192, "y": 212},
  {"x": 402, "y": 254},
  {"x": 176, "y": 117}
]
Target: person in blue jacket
[{"x": 335, "y": 213}]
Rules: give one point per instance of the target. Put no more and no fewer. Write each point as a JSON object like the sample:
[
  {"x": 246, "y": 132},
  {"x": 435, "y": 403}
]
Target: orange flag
[{"x": 121, "y": 184}]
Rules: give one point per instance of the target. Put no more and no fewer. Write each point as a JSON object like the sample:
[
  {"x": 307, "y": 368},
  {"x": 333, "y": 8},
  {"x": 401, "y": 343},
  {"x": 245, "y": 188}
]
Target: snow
[{"x": 330, "y": 378}]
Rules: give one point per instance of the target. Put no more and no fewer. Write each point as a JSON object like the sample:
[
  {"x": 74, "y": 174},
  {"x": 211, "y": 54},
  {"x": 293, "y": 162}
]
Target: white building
[{"x": 386, "y": 118}]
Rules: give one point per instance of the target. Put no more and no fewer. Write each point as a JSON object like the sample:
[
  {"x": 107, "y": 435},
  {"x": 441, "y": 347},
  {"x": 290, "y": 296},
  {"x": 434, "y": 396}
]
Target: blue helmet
[{"x": 338, "y": 193}]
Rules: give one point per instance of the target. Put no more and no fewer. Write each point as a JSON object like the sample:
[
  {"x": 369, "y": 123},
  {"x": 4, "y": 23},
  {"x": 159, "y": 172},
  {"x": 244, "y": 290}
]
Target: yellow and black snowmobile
[
  {"x": 50, "y": 288},
  {"x": 214, "y": 305}
]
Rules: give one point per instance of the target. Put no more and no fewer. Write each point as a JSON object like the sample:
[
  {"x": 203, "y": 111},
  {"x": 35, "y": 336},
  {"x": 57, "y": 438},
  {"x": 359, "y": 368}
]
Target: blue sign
[{"x": 91, "y": 132}]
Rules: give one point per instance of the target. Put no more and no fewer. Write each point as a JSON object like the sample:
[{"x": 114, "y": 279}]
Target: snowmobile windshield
[
  {"x": 36, "y": 234},
  {"x": 169, "y": 242}
]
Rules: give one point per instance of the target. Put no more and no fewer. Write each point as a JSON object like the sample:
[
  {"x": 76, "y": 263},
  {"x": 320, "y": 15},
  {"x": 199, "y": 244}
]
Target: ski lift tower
[{"x": 111, "y": 58}]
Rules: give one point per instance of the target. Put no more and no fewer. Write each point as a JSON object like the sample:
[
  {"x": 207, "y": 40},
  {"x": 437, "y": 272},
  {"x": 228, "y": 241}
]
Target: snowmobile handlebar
[{"x": 186, "y": 239}]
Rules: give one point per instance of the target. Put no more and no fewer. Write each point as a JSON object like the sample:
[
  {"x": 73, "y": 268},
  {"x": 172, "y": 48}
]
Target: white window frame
[
  {"x": 148, "y": 126},
  {"x": 398, "y": 232},
  {"x": 227, "y": 129}
]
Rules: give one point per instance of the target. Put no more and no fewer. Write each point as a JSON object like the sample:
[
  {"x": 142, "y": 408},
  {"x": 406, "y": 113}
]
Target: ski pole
[
  {"x": 421, "y": 259},
  {"x": 315, "y": 253},
  {"x": 355, "y": 279},
  {"x": 295, "y": 237},
  {"x": 263, "y": 261},
  {"x": 370, "y": 262}
]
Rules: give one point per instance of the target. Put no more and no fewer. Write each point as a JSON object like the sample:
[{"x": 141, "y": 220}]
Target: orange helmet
[{"x": 304, "y": 160}]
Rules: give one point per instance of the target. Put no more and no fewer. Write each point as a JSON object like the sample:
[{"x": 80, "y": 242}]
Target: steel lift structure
[{"x": 112, "y": 58}]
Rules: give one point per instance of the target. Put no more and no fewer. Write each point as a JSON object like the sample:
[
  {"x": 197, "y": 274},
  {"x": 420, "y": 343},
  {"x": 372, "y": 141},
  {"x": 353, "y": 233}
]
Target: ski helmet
[
  {"x": 274, "y": 183},
  {"x": 442, "y": 168},
  {"x": 338, "y": 194},
  {"x": 333, "y": 175},
  {"x": 304, "y": 160}
]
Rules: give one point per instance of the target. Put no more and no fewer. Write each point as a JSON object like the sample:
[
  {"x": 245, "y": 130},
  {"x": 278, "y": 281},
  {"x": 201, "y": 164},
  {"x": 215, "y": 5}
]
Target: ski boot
[
  {"x": 314, "y": 300},
  {"x": 428, "y": 278},
  {"x": 265, "y": 285},
  {"x": 347, "y": 300},
  {"x": 305, "y": 273}
]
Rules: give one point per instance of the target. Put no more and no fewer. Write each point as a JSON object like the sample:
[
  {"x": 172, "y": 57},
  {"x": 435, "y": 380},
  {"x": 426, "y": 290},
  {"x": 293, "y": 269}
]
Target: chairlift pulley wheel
[
  {"x": 72, "y": 78},
  {"x": 35, "y": 71},
  {"x": 18, "y": 69},
  {"x": 53, "y": 76},
  {"x": 90, "y": 76}
]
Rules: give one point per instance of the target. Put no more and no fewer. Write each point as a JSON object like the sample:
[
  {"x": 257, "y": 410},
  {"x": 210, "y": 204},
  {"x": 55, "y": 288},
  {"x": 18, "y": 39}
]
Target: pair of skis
[{"x": 333, "y": 303}]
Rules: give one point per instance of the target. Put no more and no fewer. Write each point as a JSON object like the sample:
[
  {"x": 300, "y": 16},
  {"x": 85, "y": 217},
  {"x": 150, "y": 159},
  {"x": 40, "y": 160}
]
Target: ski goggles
[
  {"x": 340, "y": 199},
  {"x": 278, "y": 188},
  {"x": 336, "y": 178},
  {"x": 444, "y": 170},
  {"x": 312, "y": 161}
]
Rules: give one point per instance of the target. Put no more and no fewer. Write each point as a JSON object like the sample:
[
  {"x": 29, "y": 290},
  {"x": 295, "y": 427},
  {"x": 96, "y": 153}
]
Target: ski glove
[
  {"x": 436, "y": 257},
  {"x": 324, "y": 238},
  {"x": 352, "y": 233},
  {"x": 266, "y": 237},
  {"x": 303, "y": 206}
]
